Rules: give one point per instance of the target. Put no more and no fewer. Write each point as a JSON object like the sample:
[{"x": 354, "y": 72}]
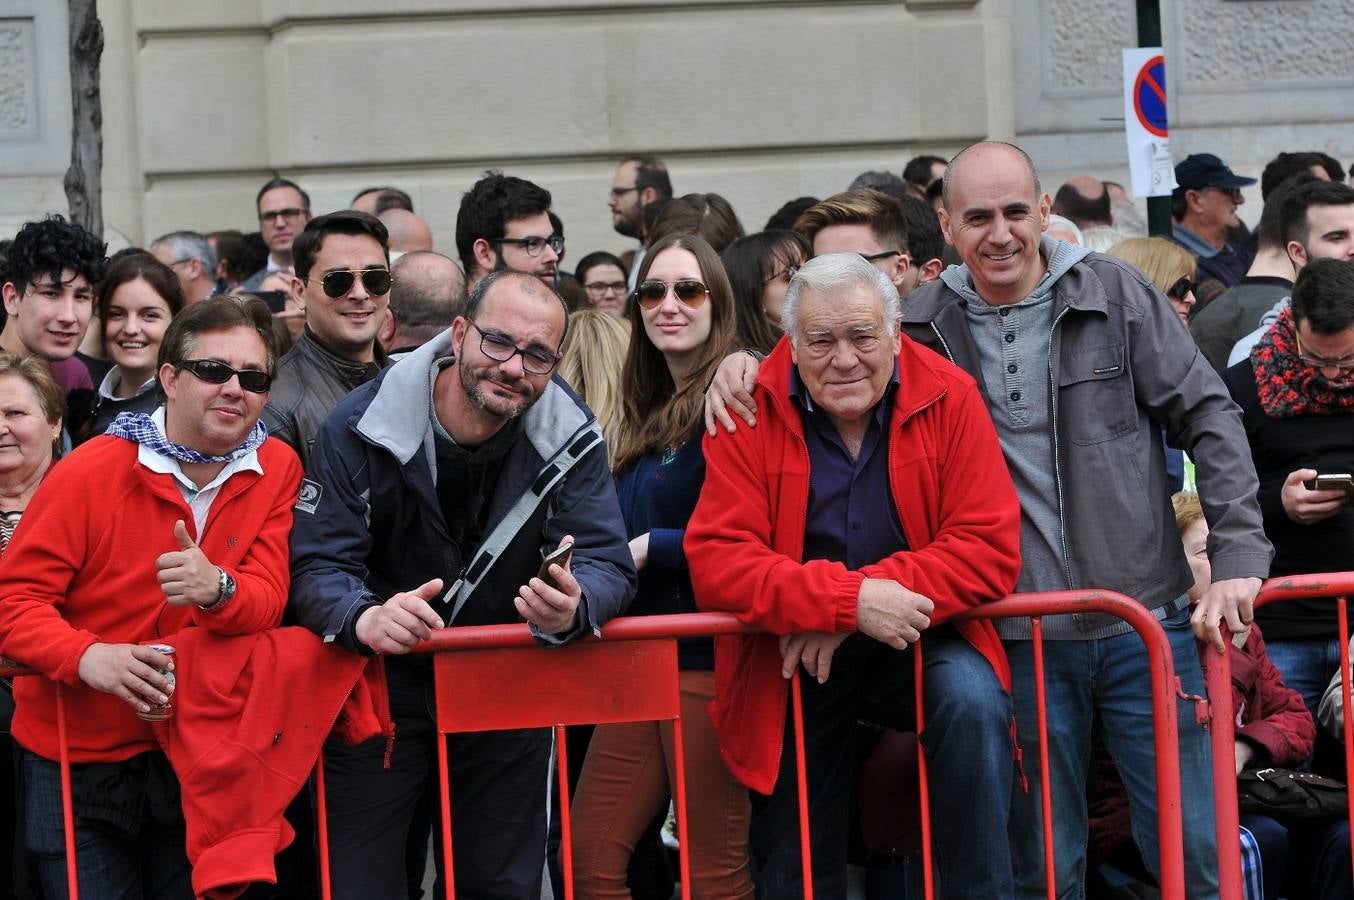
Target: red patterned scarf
[{"x": 1288, "y": 387}]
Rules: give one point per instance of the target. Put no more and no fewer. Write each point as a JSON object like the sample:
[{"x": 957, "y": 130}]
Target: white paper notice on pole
[{"x": 1145, "y": 123}]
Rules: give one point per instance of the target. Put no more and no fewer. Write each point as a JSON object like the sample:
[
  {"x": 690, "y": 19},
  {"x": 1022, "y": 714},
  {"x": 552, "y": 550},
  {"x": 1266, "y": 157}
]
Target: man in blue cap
[{"x": 1203, "y": 209}]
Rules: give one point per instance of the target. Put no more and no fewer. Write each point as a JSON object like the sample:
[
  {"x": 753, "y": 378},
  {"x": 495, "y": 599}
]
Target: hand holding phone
[
  {"x": 560, "y": 555},
  {"x": 1309, "y": 496}
]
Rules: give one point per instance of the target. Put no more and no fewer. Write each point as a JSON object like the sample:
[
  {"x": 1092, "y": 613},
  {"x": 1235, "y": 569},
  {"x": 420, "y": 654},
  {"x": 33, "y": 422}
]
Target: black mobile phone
[
  {"x": 561, "y": 554},
  {"x": 276, "y": 300}
]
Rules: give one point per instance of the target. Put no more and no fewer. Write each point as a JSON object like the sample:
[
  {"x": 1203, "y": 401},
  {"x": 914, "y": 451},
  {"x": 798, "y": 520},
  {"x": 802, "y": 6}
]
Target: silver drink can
[{"x": 166, "y": 710}]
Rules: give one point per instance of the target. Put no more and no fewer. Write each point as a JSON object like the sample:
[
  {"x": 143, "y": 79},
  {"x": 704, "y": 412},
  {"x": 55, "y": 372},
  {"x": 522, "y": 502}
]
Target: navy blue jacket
[{"x": 368, "y": 522}]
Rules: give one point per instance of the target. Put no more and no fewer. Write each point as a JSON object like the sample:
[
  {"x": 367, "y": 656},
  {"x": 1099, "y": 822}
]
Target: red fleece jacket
[
  {"x": 81, "y": 569},
  {"x": 744, "y": 543},
  {"x": 251, "y": 714}
]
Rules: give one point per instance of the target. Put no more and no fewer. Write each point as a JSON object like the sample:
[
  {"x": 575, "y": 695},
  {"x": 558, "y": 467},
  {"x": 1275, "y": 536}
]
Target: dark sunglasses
[
  {"x": 1182, "y": 289},
  {"x": 688, "y": 291},
  {"x": 213, "y": 372},
  {"x": 337, "y": 283}
]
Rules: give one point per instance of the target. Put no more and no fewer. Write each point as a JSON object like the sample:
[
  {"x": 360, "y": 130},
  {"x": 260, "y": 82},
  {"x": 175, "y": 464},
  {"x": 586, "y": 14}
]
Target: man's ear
[
  {"x": 485, "y": 257},
  {"x": 1297, "y": 255},
  {"x": 944, "y": 215},
  {"x": 168, "y": 376},
  {"x": 930, "y": 270},
  {"x": 647, "y": 195},
  {"x": 901, "y": 263},
  {"x": 386, "y": 333},
  {"x": 298, "y": 292},
  {"x": 11, "y": 296}
]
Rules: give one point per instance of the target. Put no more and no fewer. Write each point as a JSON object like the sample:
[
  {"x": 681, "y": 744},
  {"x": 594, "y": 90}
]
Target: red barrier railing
[{"x": 1223, "y": 724}]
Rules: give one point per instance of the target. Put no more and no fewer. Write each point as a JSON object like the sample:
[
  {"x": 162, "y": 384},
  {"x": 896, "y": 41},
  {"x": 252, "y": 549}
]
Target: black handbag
[{"x": 1286, "y": 794}]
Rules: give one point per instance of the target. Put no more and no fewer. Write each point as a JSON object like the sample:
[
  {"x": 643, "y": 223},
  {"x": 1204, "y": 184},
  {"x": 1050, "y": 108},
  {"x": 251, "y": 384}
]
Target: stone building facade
[{"x": 760, "y": 100}]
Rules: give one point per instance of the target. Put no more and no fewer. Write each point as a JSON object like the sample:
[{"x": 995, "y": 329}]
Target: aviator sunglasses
[
  {"x": 688, "y": 291},
  {"x": 213, "y": 372},
  {"x": 339, "y": 282}
]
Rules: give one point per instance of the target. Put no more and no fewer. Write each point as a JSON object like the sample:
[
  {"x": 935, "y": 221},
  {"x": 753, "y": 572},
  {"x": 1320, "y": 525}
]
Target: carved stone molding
[{"x": 18, "y": 103}]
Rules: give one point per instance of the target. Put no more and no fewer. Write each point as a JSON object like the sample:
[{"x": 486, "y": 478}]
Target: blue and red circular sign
[{"x": 1149, "y": 96}]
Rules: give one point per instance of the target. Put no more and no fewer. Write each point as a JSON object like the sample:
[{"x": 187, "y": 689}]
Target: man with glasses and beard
[
  {"x": 342, "y": 283},
  {"x": 431, "y": 495},
  {"x": 639, "y": 181},
  {"x": 504, "y": 223}
]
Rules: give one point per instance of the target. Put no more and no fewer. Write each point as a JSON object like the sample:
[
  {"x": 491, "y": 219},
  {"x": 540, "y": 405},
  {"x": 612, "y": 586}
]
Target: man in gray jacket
[{"x": 1082, "y": 363}]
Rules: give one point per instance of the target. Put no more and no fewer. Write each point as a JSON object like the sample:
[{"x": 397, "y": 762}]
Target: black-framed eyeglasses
[
  {"x": 1182, "y": 289},
  {"x": 376, "y": 281},
  {"x": 601, "y": 288},
  {"x": 787, "y": 273},
  {"x": 883, "y": 254},
  {"x": 621, "y": 192},
  {"x": 1344, "y": 364},
  {"x": 291, "y": 212},
  {"x": 535, "y": 244},
  {"x": 500, "y": 348},
  {"x": 688, "y": 291},
  {"x": 215, "y": 372}
]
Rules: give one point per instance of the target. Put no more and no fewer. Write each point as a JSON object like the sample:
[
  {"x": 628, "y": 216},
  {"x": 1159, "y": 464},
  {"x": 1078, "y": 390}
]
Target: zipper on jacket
[
  {"x": 940, "y": 337},
  {"x": 1057, "y": 464}
]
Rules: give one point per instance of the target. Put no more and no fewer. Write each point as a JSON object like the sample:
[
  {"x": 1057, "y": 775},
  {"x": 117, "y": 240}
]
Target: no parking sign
[{"x": 1145, "y": 122}]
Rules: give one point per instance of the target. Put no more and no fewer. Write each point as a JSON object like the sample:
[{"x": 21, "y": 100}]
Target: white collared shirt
[
  {"x": 114, "y": 378},
  {"x": 199, "y": 500}
]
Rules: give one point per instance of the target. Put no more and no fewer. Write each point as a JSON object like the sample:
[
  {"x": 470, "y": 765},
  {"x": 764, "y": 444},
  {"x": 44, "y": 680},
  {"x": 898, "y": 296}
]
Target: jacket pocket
[{"x": 1095, "y": 394}]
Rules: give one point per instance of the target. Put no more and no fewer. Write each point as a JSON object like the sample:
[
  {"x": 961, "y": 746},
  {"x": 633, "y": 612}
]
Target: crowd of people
[{"x": 244, "y": 476}]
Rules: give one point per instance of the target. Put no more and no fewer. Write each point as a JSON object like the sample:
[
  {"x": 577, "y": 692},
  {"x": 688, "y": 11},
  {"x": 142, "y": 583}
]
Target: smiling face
[
  {"x": 676, "y": 330},
  {"x": 844, "y": 351},
  {"x": 347, "y": 324},
  {"x": 214, "y": 418},
  {"x": 133, "y": 328},
  {"x": 51, "y": 315},
  {"x": 26, "y": 437},
  {"x": 994, "y": 217}
]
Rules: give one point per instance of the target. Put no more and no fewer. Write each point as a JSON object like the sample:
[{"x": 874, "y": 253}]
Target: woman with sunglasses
[
  {"x": 682, "y": 325},
  {"x": 760, "y": 267},
  {"x": 1170, "y": 266},
  {"x": 135, "y": 303}
]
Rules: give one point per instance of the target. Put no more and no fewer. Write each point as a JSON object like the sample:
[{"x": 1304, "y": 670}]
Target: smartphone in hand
[
  {"x": 1331, "y": 482},
  {"x": 561, "y": 555}
]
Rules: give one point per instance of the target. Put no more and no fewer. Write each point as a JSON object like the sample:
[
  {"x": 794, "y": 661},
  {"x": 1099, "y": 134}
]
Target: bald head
[
  {"x": 1085, "y": 200},
  {"x": 408, "y": 233},
  {"x": 427, "y": 292},
  {"x": 982, "y": 151}
]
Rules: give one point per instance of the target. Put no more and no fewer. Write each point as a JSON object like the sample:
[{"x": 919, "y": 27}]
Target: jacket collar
[
  {"x": 919, "y": 385},
  {"x": 399, "y": 415},
  {"x": 352, "y": 372}
]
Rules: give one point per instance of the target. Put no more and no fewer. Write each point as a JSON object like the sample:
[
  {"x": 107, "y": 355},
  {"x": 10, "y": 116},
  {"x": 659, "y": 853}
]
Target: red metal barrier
[{"x": 1223, "y": 717}]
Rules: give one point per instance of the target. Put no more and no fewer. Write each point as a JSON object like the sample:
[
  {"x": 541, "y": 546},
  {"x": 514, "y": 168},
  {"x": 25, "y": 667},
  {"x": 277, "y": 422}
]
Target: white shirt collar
[{"x": 167, "y": 465}]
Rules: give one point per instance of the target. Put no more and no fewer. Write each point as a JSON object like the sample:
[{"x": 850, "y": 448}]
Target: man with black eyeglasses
[
  {"x": 342, "y": 283},
  {"x": 284, "y": 209},
  {"x": 639, "y": 181},
  {"x": 430, "y": 497},
  {"x": 504, "y": 223}
]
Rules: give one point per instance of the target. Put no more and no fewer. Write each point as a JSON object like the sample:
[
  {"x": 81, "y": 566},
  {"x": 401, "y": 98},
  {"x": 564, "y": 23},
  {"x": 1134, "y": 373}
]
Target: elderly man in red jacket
[
  {"x": 173, "y": 519},
  {"x": 869, "y": 506}
]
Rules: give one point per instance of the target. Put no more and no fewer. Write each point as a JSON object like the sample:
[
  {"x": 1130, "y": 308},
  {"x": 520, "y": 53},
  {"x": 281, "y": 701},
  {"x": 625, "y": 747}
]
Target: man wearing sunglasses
[
  {"x": 1203, "y": 207},
  {"x": 172, "y": 519},
  {"x": 283, "y": 210},
  {"x": 342, "y": 283},
  {"x": 504, "y": 223},
  {"x": 430, "y": 497}
]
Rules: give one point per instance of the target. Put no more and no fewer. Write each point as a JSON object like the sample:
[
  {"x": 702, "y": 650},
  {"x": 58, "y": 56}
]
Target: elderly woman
[{"x": 31, "y": 407}]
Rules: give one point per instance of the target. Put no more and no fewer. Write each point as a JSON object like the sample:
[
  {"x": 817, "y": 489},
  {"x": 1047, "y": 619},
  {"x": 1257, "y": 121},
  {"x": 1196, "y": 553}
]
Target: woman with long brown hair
[{"x": 682, "y": 325}]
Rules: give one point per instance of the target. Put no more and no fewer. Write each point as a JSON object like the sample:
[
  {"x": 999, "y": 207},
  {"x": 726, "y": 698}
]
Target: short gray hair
[
  {"x": 190, "y": 245},
  {"x": 838, "y": 270}
]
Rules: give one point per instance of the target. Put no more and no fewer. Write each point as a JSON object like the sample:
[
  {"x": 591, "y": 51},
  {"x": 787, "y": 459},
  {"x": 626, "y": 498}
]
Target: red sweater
[
  {"x": 744, "y": 542},
  {"x": 81, "y": 569}
]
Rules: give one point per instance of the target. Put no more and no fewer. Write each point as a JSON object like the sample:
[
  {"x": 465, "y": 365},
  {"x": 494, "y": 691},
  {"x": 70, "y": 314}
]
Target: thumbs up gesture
[{"x": 186, "y": 575}]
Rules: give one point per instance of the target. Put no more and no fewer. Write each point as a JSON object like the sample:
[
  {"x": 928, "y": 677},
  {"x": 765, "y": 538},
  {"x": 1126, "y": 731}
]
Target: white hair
[
  {"x": 1061, "y": 225},
  {"x": 832, "y": 271}
]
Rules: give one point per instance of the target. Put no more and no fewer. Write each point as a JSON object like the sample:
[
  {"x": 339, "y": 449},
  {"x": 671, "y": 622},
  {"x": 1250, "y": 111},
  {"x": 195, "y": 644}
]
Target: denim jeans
[
  {"x": 150, "y": 865},
  {"x": 1307, "y": 666},
  {"x": 969, "y": 755},
  {"x": 1108, "y": 679}
]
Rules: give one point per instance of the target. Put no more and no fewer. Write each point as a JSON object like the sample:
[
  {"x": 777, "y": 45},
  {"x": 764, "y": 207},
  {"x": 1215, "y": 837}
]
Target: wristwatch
[{"x": 224, "y": 592}]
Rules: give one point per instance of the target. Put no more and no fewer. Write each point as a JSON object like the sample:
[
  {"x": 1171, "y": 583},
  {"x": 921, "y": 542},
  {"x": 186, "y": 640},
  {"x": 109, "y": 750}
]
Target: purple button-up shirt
[{"x": 851, "y": 516}]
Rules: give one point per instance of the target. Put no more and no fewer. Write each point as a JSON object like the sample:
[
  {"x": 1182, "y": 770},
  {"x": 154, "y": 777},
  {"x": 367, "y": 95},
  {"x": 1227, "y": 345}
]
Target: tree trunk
[{"x": 84, "y": 183}]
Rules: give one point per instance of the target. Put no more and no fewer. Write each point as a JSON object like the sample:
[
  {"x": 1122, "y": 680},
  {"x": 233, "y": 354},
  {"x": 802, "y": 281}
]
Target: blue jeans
[
  {"x": 112, "y": 864},
  {"x": 1307, "y": 666},
  {"x": 1107, "y": 679},
  {"x": 967, "y": 742}
]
